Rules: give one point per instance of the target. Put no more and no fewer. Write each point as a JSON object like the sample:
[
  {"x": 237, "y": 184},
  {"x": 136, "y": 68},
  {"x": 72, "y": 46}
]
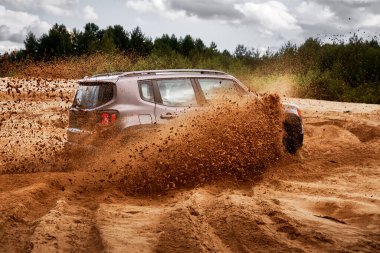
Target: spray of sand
[
  {"x": 231, "y": 139},
  {"x": 234, "y": 141}
]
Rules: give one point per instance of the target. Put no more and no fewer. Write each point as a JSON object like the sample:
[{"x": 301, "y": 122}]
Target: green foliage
[
  {"x": 31, "y": 45},
  {"x": 57, "y": 43},
  {"x": 342, "y": 72},
  {"x": 334, "y": 71},
  {"x": 140, "y": 44}
]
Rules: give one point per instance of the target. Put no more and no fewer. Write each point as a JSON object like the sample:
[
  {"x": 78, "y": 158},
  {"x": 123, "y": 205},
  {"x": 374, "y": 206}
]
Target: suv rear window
[
  {"x": 93, "y": 95},
  {"x": 214, "y": 87},
  {"x": 146, "y": 91}
]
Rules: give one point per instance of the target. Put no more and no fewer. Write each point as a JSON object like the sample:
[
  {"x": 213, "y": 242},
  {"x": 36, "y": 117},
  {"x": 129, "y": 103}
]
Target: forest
[{"x": 339, "y": 70}]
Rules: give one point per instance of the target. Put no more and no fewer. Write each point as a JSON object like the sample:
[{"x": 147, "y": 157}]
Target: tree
[
  {"x": 137, "y": 39},
  {"x": 288, "y": 50},
  {"x": 91, "y": 38},
  {"x": 120, "y": 37},
  {"x": 107, "y": 44},
  {"x": 77, "y": 38},
  {"x": 140, "y": 44},
  {"x": 162, "y": 45},
  {"x": 174, "y": 43},
  {"x": 199, "y": 46},
  {"x": 57, "y": 43},
  {"x": 241, "y": 51},
  {"x": 187, "y": 45},
  {"x": 308, "y": 54},
  {"x": 226, "y": 53},
  {"x": 213, "y": 48},
  {"x": 31, "y": 46}
]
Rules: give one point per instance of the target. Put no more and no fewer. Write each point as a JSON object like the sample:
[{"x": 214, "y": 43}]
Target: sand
[{"x": 326, "y": 198}]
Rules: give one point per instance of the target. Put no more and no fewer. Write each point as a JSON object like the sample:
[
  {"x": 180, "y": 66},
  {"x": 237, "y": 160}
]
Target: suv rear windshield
[{"x": 93, "y": 95}]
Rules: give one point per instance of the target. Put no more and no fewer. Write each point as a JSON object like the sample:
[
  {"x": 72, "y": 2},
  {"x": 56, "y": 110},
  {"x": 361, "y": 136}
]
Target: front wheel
[{"x": 293, "y": 138}]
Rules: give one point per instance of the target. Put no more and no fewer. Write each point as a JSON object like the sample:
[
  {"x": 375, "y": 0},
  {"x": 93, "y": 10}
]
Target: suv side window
[
  {"x": 176, "y": 92},
  {"x": 146, "y": 91},
  {"x": 213, "y": 87}
]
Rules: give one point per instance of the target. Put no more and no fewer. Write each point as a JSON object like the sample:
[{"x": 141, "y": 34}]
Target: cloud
[
  {"x": 89, "y": 13},
  {"x": 370, "y": 20},
  {"x": 266, "y": 17},
  {"x": 339, "y": 18},
  {"x": 7, "y": 35},
  {"x": 351, "y": 9},
  {"x": 15, "y": 25},
  {"x": 311, "y": 13},
  {"x": 160, "y": 7},
  {"x": 9, "y": 46},
  {"x": 211, "y": 9},
  {"x": 271, "y": 15},
  {"x": 257, "y": 23},
  {"x": 220, "y": 10},
  {"x": 55, "y": 7}
]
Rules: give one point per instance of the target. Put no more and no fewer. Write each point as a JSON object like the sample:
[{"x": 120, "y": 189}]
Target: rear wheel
[{"x": 293, "y": 138}]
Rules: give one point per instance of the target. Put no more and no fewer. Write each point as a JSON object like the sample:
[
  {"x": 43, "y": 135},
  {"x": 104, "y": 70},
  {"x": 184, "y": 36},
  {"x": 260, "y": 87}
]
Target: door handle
[{"x": 168, "y": 116}]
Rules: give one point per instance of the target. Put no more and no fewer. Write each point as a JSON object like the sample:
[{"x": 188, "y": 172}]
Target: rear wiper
[{"x": 78, "y": 106}]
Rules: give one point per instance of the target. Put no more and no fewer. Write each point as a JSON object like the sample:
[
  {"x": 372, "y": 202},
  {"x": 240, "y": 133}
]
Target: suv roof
[{"x": 117, "y": 75}]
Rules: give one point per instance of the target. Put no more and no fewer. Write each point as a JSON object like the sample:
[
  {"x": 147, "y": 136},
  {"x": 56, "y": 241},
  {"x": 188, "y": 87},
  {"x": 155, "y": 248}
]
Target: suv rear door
[
  {"x": 88, "y": 100},
  {"x": 175, "y": 96}
]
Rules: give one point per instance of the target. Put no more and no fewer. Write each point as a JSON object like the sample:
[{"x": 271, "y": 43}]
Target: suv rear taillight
[
  {"x": 299, "y": 112},
  {"x": 108, "y": 117}
]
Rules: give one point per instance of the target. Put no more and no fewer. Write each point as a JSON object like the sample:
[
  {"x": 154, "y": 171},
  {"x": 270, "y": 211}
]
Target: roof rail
[
  {"x": 157, "y": 72},
  {"x": 171, "y": 71},
  {"x": 109, "y": 74}
]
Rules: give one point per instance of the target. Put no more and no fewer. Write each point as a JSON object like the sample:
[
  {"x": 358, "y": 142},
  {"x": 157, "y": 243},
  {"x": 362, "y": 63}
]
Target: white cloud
[
  {"x": 55, "y": 7},
  {"x": 22, "y": 22},
  {"x": 356, "y": 1},
  {"x": 370, "y": 20},
  {"x": 271, "y": 16},
  {"x": 15, "y": 25},
  {"x": 89, "y": 13},
  {"x": 312, "y": 13},
  {"x": 160, "y": 7},
  {"x": 8, "y": 46}
]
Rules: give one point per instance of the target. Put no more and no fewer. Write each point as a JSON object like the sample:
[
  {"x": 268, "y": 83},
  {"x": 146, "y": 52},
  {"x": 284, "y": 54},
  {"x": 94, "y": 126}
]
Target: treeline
[
  {"x": 340, "y": 70},
  {"x": 59, "y": 42}
]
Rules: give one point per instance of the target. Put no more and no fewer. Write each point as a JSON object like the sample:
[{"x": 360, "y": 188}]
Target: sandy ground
[{"x": 326, "y": 198}]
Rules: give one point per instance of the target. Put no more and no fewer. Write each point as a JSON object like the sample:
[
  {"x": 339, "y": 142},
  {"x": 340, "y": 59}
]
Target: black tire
[{"x": 293, "y": 138}]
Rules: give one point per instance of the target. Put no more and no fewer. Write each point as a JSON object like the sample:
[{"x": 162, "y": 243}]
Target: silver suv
[{"x": 143, "y": 98}]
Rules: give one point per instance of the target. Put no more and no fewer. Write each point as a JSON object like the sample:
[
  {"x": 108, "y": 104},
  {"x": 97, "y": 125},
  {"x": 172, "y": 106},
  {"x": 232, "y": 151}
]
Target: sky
[{"x": 255, "y": 23}]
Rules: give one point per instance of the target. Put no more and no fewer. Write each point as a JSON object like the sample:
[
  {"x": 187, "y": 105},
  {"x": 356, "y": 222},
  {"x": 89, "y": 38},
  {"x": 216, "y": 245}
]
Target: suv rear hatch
[{"x": 89, "y": 108}]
